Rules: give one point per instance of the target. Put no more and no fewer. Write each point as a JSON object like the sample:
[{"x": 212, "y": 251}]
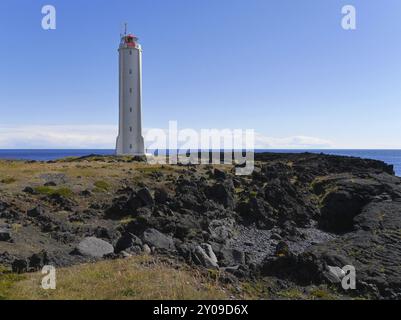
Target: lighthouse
[{"x": 130, "y": 139}]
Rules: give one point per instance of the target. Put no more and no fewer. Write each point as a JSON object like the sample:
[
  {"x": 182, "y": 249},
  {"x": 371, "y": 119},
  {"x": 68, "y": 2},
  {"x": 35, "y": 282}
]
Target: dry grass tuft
[{"x": 140, "y": 277}]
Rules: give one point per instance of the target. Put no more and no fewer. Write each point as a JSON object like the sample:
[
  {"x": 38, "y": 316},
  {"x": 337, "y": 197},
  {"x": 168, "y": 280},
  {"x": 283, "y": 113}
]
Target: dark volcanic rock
[
  {"x": 129, "y": 204},
  {"x": 61, "y": 202},
  {"x": 297, "y": 218},
  {"x": 145, "y": 196},
  {"x": 127, "y": 241},
  {"x": 29, "y": 190},
  {"x": 85, "y": 193},
  {"x": 158, "y": 240},
  {"x": 7, "y": 212},
  {"x": 30, "y": 264},
  {"x": 35, "y": 212},
  {"x": 222, "y": 230},
  {"x": 5, "y": 234},
  {"x": 374, "y": 250},
  {"x": 38, "y": 260},
  {"x": 161, "y": 196},
  {"x": 221, "y": 193},
  {"x": 344, "y": 199},
  {"x": 20, "y": 265},
  {"x": 219, "y": 174}
]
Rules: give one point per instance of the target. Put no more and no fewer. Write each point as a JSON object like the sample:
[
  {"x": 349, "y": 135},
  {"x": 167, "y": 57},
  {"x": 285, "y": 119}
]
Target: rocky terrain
[{"x": 293, "y": 221}]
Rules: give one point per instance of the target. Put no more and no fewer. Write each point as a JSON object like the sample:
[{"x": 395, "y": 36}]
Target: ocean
[{"x": 389, "y": 156}]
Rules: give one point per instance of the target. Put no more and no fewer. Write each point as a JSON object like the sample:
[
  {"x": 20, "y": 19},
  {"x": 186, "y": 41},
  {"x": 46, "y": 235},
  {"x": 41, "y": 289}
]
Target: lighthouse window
[
  {"x": 130, "y": 129},
  {"x": 130, "y": 52},
  {"x": 130, "y": 90},
  {"x": 130, "y": 71},
  {"x": 130, "y": 146},
  {"x": 130, "y": 109}
]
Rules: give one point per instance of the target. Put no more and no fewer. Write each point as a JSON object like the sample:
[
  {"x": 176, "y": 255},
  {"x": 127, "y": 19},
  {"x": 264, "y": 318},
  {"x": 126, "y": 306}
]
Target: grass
[
  {"x": 16, "y": 227},
  {"x": 7, "y": 281},
  {"x": 292, "y": 294},
  {"x": 154, "y": 168},
  {"x": 317, "y": 293},
  {"x": 65, "y": 192},
  {"x": 8, "y": 180},
  {"x": 256, "y": 290},
  {"x": 102, "y": 185},
  {"x": 322, "y": 294},
  {"x": 139, "y": 277}
]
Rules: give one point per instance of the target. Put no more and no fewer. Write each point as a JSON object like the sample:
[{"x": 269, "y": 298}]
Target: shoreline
[{"x": 269, "y": 224}]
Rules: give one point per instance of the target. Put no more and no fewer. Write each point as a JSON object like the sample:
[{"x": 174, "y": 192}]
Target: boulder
[
  {"x": 62, "y": 202},
  {"x": 161, "y": 196},
  {"x": 29, "y": 190},
  {"x": 221, "y": 193},
  {"x": 187, "y": 226},
  {"x": 146, "y": 249},
  {"x": 5, "y": 234},
  {"x": 334, "y": 274},
  {"x": 94, "y": 247},
  {"x": 38, "y": 260},
  {"x": 85, "y": 193},
  {"x": 156, "y": 239},
  {"x": 128, "y": 241},
  {"x": 35, "y": 212},
  {"x": 231, "y": 257},
  {"x": 205, "y": 256},
  {"x": 222, "y": 230},
  {"x": 219, "y": 174},
  {"x": 19, "y": 265},
  {"x": 145, "y": 196},
  {"x": 107, "y": 233}
]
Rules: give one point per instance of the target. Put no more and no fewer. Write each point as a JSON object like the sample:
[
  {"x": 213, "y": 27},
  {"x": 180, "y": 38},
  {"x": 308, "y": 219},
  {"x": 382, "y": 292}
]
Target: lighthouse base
[{"x": 130, "y": 149}]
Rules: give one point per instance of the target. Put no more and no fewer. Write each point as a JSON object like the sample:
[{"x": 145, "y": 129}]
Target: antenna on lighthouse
[{"x": 125, "y": 29}]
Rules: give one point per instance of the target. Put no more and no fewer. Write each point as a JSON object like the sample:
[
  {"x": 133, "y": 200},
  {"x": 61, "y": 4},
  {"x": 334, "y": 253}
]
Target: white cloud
[
  {"x": 104, "y": 137},
  {"x": 60, "y": 137},
  {"x": 300, "y": 142}
]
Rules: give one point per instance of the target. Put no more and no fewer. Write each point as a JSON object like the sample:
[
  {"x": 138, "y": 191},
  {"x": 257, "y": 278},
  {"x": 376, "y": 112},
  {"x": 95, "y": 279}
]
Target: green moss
[
  {"x": 65, "y": 192},
  {"x": 253, "y": 194},
  {"x": 43, "y": 190},
  {"x": 101, "y": 186},
  {"x": 238, "y": 190}
]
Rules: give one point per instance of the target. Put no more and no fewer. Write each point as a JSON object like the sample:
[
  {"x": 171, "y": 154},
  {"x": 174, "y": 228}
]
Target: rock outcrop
[{"x": 300, "y": 218}]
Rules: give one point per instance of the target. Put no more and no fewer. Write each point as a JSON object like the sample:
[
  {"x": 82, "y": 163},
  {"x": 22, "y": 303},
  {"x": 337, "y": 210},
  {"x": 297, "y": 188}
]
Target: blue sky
[{"x": 285, "y": 68}]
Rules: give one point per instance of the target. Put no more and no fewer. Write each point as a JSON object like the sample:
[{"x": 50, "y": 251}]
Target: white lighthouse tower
[{"x": 130, "y": 140}]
